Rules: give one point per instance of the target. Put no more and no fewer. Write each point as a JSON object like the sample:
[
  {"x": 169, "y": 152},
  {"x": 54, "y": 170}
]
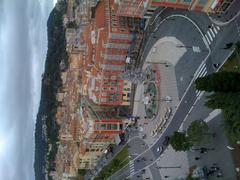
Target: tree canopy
[
  {"x": 198, "y": 132},
  {"x": 225, "y": 88},
  {"x": 180, "y": 141},
  {"x": 221, "y": 100},
  {"x": 219, "y": 82}
]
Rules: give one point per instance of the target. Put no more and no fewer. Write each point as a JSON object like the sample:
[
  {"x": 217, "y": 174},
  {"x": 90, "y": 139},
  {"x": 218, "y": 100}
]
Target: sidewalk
[
  {"x": 217, "y": 151},
  {"x": 165, "y": 81},
  {"x": 173, "y": 164},
  {"x": 228, "y": 16}
]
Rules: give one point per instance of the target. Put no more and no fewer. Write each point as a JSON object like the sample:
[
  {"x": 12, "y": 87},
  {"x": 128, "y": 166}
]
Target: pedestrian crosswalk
[
  {"x": 131, "y": 165},
  {"x": 201, "y": 72},
  {"x": 211, "y": 33}
]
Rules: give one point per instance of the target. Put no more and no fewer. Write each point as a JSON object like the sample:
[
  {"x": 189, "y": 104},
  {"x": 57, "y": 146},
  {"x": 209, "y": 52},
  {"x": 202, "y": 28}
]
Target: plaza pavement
[
  {"x": 221, "y": 155},
  {"x": 164, "y": 51}
]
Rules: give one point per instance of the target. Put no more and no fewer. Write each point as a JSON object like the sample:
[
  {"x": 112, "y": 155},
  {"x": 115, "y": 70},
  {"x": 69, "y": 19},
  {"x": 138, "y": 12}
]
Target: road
[{"x": 188, "y": 93}]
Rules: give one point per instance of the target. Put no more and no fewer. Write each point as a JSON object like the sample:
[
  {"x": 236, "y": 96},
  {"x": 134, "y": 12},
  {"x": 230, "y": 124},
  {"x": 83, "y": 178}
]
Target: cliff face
[{"x": 46, "y": 129}]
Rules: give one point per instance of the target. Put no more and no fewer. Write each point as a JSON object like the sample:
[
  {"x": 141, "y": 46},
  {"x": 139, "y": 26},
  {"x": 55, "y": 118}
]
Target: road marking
[
  {"x": 131, "y": 165},
  {"x": 212, "y": 115},
  {"x": 212, "y": 32},
  {"x": 203, "y": 73},
  {"x": 209, "y": 35},
  {"x": 209, "y": 42},
  {"x": 199, "y": 92},
  {"x": 200, "y": 70},
  {"x": 196, "y": 49},
  {"x": 214, "y": 28},
  {"x": 218, "y": 28},
  {"x": 190, "y": 108},
  {"x": 205, "y": 59}
]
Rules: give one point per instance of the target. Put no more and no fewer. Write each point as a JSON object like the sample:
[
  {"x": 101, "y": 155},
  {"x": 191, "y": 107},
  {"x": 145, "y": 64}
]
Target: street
[{"x": 188, "y": 67}]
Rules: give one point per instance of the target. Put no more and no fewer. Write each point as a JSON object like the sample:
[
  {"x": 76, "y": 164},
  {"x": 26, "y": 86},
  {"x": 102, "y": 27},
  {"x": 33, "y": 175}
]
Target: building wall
[
  {"x": 112, "y": 42},
  {"x": 126, "y": 93},
  {"x": 195, "y": 5}
]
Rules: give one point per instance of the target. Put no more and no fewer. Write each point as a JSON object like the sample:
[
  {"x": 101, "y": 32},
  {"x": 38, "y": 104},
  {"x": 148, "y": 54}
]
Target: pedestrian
[
  {"x": 219, "y": 174},
  {"x": 197, "y": 158},
  {"x": 203, "y": 150},
  {"x": 211, "y": 172}
]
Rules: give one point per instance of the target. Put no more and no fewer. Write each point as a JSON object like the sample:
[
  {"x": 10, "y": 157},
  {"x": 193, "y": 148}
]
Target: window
[
  {"x": 114, "y": 126},
  {"x": 108, "y": 126},
  {"x": 187, "y": 1},
  {"x": 202, "y": 2},
  {"x": 103, "y": 126}
]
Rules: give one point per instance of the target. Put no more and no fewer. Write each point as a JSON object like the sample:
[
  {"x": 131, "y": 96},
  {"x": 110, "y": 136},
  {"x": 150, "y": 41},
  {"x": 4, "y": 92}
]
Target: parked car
[
  {"x": 166, "y": 141},
  {"x": 160, "y": 149}
]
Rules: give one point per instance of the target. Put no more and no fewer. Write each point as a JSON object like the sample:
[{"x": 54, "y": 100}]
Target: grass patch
[
  {"x": 232, "y": 64},
  {"x": 119, "y": 161}
]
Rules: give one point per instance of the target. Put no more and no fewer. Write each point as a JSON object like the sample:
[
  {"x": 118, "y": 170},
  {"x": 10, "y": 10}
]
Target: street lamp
[
  {"x": 163, "y": 63},
  {"x": 168, "y": 167}
]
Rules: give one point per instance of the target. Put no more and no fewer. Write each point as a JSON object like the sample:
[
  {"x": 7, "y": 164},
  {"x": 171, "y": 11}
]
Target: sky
[{"x": 23, "y": 46}]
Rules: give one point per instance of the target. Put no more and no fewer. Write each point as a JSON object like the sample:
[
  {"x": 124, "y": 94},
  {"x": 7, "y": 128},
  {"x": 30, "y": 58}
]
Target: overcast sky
[{"x": 23, "y": 46}]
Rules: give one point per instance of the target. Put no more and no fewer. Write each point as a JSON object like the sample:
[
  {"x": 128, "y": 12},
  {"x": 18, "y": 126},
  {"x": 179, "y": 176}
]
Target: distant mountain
[{"x": 46, "y": 129}]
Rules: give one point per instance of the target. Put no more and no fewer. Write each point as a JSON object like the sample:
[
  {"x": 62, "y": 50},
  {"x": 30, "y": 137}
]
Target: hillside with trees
[{"x": 46, "y": 129}]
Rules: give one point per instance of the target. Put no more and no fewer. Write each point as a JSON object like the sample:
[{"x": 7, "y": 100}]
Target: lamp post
[{"x": 168, "y": 167}]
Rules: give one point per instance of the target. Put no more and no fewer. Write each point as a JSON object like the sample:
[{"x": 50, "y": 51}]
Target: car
[
  {"x": 216, "y": 65},
  {"x": 159, "y": 149},
  {"x": 166, "y": 141}
]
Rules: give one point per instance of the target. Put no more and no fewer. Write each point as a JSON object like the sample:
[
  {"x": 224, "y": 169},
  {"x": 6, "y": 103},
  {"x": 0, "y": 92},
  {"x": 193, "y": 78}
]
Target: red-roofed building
[{"x": 108, "y": 39}]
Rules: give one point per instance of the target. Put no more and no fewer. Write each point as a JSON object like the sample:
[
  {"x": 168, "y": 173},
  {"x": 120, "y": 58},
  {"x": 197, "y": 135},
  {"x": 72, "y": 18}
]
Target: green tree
[
  {"x": 198, "y": 132},
  {"x": 219, "y": 82},
  {"x": 116, "y": 162},
  {"x": 231, "y": 124},
  {"x": 221, "y": 100},
  {"x": 82, "y": 172},
  {"x": 180, "y": 141}
]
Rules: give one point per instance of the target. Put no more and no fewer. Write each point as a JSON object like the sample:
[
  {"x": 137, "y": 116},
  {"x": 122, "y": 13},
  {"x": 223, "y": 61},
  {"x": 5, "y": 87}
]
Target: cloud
[{"x": 23, "y": 46}]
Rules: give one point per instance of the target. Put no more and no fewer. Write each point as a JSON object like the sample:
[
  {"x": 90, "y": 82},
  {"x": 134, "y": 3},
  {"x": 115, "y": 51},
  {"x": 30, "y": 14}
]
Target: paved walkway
[
  {"x": 217, "y": 145},
  {"x": 173, "y": 164},
  {"x": 163, "y": 57}
]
